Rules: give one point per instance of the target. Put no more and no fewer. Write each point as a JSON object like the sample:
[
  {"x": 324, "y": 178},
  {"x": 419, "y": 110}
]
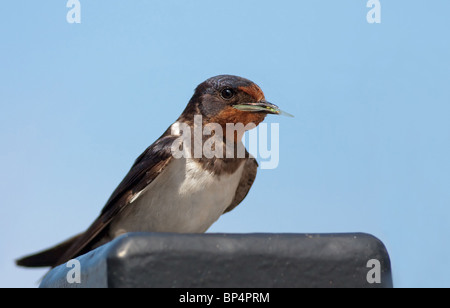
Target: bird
[{"x": 186, "y": 194}]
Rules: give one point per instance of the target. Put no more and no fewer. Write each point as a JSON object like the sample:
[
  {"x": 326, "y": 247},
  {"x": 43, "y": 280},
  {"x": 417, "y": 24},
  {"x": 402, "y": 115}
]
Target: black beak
[{"x": 262, "y": 106}]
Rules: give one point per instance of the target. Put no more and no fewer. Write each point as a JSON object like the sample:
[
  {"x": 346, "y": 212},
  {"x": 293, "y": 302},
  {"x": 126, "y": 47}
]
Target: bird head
[{"x": 230, "y": 99}]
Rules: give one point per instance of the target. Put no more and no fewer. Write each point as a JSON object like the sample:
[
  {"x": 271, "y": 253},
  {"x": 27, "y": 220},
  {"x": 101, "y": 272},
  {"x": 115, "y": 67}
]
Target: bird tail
[{"x": 50, "y": 257}]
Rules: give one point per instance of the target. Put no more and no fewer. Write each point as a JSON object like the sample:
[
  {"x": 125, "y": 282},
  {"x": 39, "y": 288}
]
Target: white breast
[{"x": 184, "y": 198}]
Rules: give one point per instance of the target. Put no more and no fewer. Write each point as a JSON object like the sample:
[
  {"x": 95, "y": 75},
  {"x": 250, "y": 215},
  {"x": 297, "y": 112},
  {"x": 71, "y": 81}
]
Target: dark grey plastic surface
[{"x": 231, "y": 261}]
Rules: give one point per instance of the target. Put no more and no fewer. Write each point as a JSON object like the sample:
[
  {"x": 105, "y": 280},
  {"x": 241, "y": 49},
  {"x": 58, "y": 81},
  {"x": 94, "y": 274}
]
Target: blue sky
[{"x": 368, "y": 149}]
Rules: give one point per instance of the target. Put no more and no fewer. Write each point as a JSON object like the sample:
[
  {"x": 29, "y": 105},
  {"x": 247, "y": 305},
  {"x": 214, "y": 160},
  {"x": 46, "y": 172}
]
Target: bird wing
[
  {"x": 145, "y": 170},
  {"x": 246, "y": 181}
]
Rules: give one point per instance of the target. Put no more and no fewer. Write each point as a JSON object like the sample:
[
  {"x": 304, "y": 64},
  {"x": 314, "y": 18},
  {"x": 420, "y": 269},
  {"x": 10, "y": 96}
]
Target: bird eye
[{"x": 227, "y": 93}]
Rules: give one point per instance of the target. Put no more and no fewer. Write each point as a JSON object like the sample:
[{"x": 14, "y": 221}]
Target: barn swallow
[{"x": 161, "y": 193}]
